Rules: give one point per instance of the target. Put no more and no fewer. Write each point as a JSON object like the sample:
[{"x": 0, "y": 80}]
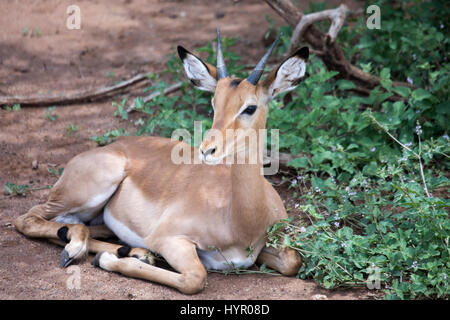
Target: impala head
[{"x": 240, "y": 105}]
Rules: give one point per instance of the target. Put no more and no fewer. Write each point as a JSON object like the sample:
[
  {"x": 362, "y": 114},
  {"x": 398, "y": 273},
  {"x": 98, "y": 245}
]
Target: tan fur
[{"x": 175, "y": 209}]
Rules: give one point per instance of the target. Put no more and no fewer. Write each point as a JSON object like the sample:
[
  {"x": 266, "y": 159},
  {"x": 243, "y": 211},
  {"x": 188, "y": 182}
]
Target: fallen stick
[
  {"x": 172, "y": 88},
  {"x": 74, "y": 97}
]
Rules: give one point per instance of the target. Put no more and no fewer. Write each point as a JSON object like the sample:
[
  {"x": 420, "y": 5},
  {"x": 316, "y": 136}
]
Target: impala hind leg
[
  {"x": 35, "y": 224},
  {"x": 48, "y": 221},
  {"x": 284, "y": 260},
  {"x": 76, "y": 239},
  {"x": 87, "y": 183},
  {"x": 179, "y": 253}
]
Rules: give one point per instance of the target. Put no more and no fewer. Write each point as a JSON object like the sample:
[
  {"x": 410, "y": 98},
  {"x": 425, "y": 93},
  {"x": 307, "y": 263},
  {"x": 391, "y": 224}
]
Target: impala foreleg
[
  {"x": 179, "y": 253},
  {"x": 284, "y": 260},
  {"x": 96, "y": 246}
]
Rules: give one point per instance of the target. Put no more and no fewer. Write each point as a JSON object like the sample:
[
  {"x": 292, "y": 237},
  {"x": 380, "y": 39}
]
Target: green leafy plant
[
  {"x": 56, "y": 173},
  {"x": 108, "y": 137},
  {"x": 71, "y": 129},
  {"x": 50, "y": 115},
  {"x": 15, "y": 107},
  {"x": 121, "y": 109},
  {"x": 370, "y": 183},
  {"x": 110, "y": 74},
  {"x": 31, "y": 32},
  {"x": 13, "y": 189}
]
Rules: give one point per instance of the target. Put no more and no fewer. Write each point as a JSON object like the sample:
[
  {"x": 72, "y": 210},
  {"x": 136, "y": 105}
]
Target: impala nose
[
  {"x": 206, "y": 155},
  {"x": 208, "y": 152}
]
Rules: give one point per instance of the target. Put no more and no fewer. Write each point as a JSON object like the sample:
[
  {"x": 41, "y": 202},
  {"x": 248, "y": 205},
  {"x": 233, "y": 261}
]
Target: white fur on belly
[
  {"x": 122, "y": 231},
  {"x": 68, "y": 219},
  {"x": 215, "y": 260}
]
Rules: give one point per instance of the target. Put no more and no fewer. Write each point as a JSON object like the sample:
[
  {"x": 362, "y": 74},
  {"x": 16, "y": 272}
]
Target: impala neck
[
  {"x": 248, "y": 207},
  {"x": 246, "y": 181}
]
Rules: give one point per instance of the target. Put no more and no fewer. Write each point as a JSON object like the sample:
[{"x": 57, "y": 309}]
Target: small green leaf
[
  {"x": 345, "y": 84},
  {"x": 402, "y": 91},
  {"x": 420, "y": 94},
  {"x": 139, "y": 103},
  {"x": 299, "y": 163}
]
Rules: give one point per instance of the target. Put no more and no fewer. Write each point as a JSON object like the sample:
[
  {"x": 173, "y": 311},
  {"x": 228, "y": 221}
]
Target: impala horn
[
  {"x": 221, "y": 68},
  {"x": 256, "y": 74}
]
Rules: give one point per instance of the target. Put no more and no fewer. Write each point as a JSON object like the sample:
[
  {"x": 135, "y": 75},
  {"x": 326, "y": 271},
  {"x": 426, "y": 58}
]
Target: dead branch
[
  {"x": 75, "y": 97},
  {"x": 172, "y": 88},
  {"x": 331, "y": 54},
  {"x": 337, "y": 17}
]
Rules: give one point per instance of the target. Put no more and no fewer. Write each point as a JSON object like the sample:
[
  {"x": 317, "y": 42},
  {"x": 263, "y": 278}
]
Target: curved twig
[{"x": 337, "y": 17}]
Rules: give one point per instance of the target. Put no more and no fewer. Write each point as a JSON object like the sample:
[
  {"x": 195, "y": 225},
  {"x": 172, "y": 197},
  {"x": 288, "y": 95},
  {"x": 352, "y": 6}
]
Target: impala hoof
[
  {"x": 96, "y": 261},
  {"x": 105, "y": 260},
  {"x": 65, "y": 260}
]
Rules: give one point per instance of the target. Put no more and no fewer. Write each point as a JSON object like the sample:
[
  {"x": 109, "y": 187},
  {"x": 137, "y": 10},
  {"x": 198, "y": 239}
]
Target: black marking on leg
[
  {"x": 62, "y": 234},
  {"x": 123, "y": 251}
]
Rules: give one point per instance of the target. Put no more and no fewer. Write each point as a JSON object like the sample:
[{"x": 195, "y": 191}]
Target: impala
[{"x": 200, "y": 216}]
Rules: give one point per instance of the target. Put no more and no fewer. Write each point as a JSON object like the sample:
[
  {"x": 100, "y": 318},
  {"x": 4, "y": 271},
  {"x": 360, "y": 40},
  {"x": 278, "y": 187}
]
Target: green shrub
[{"x": 372, "y": 180}]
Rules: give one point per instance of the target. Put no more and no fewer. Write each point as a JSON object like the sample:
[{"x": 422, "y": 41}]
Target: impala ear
[
  {"x": 288, "y": 75},
  {"x": 202, "y": 74}
]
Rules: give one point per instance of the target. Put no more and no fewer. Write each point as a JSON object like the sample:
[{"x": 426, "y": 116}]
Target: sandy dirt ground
[{"x": 117, "y": 39}]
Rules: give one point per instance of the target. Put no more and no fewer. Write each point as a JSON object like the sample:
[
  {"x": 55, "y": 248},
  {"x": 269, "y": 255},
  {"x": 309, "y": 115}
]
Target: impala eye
[{"x": 249, "y": 110}]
